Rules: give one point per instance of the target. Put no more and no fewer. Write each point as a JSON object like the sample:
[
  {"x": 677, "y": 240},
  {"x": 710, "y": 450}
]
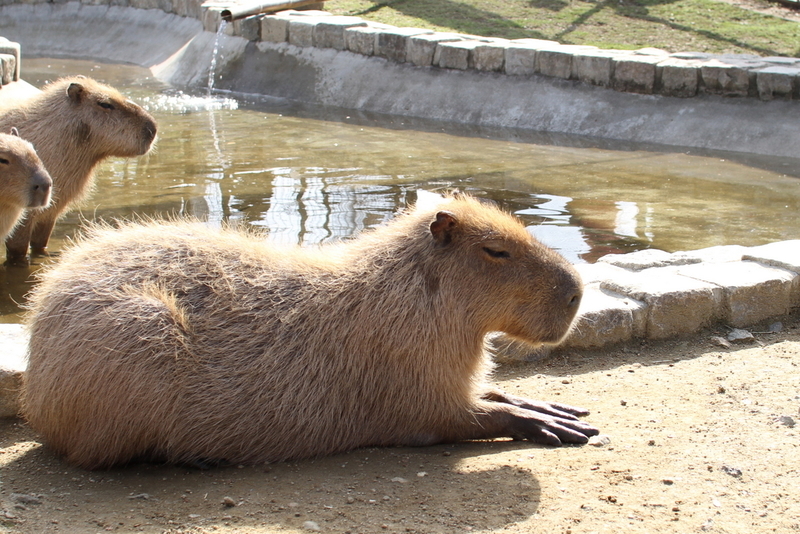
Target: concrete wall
[{"x": 735, "y": 103}]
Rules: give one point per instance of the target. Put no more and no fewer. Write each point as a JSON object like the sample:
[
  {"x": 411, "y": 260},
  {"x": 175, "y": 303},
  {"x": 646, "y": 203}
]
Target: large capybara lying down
[
  {"x": 175, "y": 342},
  {"x": 24, "y": 182},
  {"x": 74, "y": 123}
]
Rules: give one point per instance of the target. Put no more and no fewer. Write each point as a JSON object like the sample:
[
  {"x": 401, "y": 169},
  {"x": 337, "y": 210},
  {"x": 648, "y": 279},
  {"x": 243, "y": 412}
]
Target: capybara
[
  {"x": 74, "y": 123},
  {"x": 175, "y": 342},
  {"x": 24, "y": 181}
]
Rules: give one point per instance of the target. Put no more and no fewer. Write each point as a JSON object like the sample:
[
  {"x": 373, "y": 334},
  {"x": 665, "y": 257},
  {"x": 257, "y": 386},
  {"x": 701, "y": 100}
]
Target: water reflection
[{"x": 311, "y": 178}]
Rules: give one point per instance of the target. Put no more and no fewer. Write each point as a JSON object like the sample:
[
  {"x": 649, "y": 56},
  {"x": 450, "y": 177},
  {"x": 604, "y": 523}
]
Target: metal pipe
[{"x": 268, "y": 6}]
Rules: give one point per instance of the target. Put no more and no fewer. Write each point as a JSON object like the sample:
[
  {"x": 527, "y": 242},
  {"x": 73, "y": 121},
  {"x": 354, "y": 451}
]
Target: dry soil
[{"x": 702, "y": 439}]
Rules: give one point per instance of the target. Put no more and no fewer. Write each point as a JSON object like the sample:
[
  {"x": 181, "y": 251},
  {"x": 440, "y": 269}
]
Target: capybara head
[
  {"x": 519, "y": 286},
  {"x": 24, "y": 181},
  {"x": 101, "y": 117}
]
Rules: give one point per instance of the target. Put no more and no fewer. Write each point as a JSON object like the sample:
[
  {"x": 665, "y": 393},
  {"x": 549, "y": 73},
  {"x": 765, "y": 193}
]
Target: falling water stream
[{"x": 313, "y": 175}]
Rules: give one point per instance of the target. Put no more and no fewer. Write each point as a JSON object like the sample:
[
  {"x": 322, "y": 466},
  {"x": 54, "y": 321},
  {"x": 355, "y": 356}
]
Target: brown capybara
[
  {"x": 175, "y": 342},
  {"x": 74, "y": 123},
  {"x": 24, "y": 181}
]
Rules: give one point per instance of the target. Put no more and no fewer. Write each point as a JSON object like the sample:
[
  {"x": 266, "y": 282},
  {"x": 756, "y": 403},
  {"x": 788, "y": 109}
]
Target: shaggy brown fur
[
  {"x": 74, "y": 123},
  {"x": 24, "y": 182},
  {"x": 180, "y": 343}
]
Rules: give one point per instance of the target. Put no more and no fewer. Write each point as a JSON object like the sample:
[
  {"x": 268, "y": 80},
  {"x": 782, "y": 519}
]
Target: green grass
[{"x": 677, "y": 26}]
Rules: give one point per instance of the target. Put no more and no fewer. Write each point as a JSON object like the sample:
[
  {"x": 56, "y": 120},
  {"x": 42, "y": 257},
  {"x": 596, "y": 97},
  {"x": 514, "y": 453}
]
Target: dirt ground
[{"x": 702, "y": 439}]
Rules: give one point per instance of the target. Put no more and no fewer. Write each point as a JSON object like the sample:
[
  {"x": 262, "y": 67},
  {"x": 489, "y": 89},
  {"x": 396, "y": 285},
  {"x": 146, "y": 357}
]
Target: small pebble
[
  {"x": 732, "y": 471},
  {"x": 311, "y": 525},
  {"x": 600, "y": 440},
  {"x": 227, "y": 501},
  {"x": 787, "y": 420},
  {"x": 401, "y": 480},
  {"x": 721, "y": 342},
  {"x": 23, "y": 498},
  {"x": 737, "y": 335}
]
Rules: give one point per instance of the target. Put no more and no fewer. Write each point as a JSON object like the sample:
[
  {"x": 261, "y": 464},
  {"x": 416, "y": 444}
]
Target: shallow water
[{"x": 311, "y": 176}]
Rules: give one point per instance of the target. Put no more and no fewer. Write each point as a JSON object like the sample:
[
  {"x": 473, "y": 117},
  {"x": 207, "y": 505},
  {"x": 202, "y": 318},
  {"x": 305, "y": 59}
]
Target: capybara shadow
[
  {"x": 179, "y": 343},
  {"x": 74, "y": 123},
  {"x": 24, "y": 181}
]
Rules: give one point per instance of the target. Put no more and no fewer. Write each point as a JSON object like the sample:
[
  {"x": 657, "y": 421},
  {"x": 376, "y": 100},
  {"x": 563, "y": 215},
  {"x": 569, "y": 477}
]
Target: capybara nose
[
  {"x": 41, "y": 185},
  {"x": 574, "y": 302}
]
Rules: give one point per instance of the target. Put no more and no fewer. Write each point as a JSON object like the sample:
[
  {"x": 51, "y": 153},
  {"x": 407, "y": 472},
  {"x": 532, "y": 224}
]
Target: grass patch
[{"x": 677, "y": 26}]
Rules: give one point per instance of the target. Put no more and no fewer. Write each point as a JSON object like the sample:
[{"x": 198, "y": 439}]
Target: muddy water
[{"x": 310, "y": 176}]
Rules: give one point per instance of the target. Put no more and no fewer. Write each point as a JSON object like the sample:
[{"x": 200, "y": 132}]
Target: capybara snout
[
  {"x": 178, "y": 343},
  {"x": 24, "y": 181},
  {"x": 41, "y": 185}
]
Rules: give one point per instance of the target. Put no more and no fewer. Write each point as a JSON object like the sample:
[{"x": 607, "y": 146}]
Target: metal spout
[{"x": 258, "y": 8}]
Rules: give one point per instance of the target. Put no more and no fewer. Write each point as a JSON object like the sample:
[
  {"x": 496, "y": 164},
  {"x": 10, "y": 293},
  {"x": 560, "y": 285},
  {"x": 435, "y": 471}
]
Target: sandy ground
[{"x": 701, "y": 440}]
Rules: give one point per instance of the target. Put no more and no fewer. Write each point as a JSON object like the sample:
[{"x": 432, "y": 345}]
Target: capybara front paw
[{"x": 13, "y": 260}]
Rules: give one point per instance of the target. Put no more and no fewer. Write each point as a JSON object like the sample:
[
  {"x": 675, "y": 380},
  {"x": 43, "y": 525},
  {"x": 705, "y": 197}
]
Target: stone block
[
  {"x": 393, "y": 43},
  {"x": 361, "y": 39},
  {"x": 676, "y": 304},
  {"x": 8, "y": 65},
  {"x": 679, "y": 77},
  {"x": 635, "y": 73},
  {"x": 454, "y": 54},
  {"x": 597, "y": 272},
  {"x": 776, "y": 82},
  {"x": 724, "y": 79},
  {"x": 752, "y": 292},
  {"x": 717, "y": 254},
  {"x": 329, "y": 33},
  {"x": 554, "y": 62},
  {"x": 489, "y": 56},
  {"x": 13, "y": 49},
  {"x": 14, "y": 340},
  {"x": 421, "y": 49},
  {"x": 520, "y": 59},
  {"x": 301, "y": 31},
  {"x": 595, "y": 67},
  {"x": 647, "y": 259},
  {"x": 783, "y": 254},
  {"x": 275, "y": 28},
  {"x": 248, "y": 28},
  {"x": 557, "y": 61},
  {"x": 144, "y": 4},
  {"x": 605, "y": 318},
  {"x": 212, "y": 18}
]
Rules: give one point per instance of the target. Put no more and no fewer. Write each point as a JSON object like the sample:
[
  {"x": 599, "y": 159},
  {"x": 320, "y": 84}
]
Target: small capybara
[
  {"x": 175, "y": 342},
  {"x": 24, "y": 181},
  {"x": 74, "y": 123}
]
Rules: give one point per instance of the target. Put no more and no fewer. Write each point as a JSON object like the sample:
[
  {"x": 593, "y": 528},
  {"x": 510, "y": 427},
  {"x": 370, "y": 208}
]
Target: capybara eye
[
  {"x": 105, "y": 105},
  {"x": 497, "y": 253},
  {"x": 4, "y": 161}
]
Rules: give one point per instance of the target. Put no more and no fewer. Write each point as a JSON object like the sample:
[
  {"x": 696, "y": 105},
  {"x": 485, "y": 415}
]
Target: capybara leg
[
  {"x": 17, "y": 243},
  {"x": 40, "y": 234},
  {"x": 506, "y": 420}
]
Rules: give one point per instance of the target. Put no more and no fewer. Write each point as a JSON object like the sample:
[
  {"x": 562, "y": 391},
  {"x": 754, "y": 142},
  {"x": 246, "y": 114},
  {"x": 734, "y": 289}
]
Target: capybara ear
[
  {"x": 14, "y": 131},
  {"x": 442, "y": 228},
  {"x": 75, "y": 91}
]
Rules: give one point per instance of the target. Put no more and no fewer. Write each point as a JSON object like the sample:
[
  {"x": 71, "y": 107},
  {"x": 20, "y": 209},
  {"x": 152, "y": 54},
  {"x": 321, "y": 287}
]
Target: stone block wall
[{"x": 644, "y": 71}]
